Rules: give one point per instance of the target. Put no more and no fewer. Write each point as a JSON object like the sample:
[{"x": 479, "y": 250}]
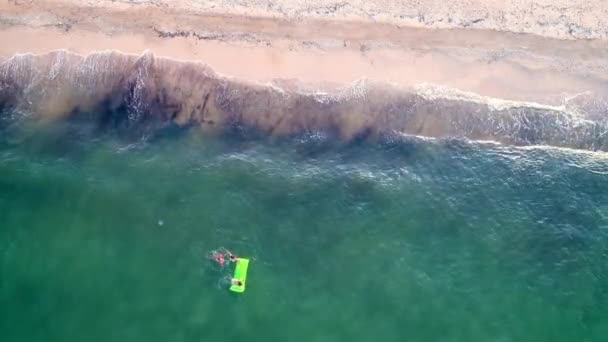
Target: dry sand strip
[
  {"x": 327, "y": 41},
  {"x": 565, "y": 19}
]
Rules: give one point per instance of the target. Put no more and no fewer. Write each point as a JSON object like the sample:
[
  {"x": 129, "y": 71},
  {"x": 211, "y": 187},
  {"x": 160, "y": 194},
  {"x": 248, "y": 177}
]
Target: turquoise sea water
[{"x": 103, "y": 239}]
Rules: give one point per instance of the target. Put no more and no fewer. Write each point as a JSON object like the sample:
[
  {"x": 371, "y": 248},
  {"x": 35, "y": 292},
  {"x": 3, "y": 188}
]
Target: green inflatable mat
[{"x": 240, "y": 273}]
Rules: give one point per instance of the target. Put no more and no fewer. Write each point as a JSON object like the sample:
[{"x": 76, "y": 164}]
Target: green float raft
[{"x": 240, "y": 273}]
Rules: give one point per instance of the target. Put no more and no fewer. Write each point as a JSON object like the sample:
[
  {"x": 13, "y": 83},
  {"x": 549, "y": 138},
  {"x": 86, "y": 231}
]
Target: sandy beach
[
  {"x": 287, "y": 42},
  {"x": 536, "y": 53}
]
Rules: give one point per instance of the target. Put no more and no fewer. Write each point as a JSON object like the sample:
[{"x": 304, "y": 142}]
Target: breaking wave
[{"x": 117, "y": 90}]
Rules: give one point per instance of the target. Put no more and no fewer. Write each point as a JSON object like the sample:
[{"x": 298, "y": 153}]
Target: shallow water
[{"x": 415, "y": 240}]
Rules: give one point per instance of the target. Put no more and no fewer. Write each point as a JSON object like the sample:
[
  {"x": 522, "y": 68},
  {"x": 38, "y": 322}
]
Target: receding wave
[{"x": 126, "y": 91}]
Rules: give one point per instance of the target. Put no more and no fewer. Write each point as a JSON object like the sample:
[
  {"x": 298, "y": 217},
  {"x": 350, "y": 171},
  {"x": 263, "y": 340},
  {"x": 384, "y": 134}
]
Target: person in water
[
  {"x": 219, "y": 257},
  {"x": 236, "y": 282},
  {"x": 232, "y": 257},
  {"x": 224, "y": 258}
]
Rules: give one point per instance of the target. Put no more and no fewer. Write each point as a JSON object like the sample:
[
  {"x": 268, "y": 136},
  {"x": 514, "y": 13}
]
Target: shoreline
[
  {"x": 160, "y": 65},
  {"x": 539, "y": 69},
  {"x": 145, "y": 93}
]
